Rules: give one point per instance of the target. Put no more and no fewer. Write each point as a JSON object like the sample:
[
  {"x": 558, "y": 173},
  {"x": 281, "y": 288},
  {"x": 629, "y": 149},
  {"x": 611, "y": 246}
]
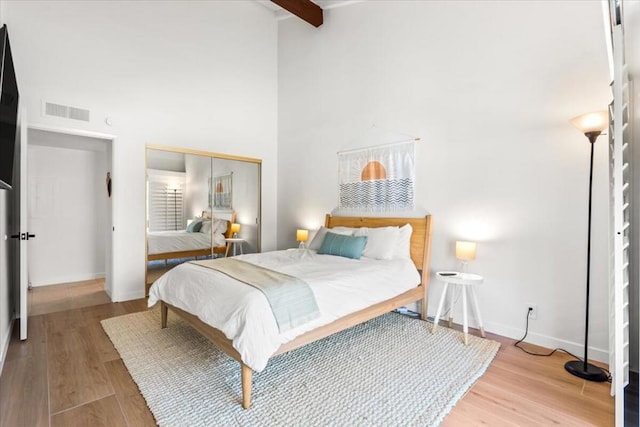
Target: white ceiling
[{"x": 281, "y": 13}]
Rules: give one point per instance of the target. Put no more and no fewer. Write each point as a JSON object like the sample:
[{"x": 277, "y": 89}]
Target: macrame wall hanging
[
  {"x": 378, "y": 179},
  {"x": 222, "y": 192}
]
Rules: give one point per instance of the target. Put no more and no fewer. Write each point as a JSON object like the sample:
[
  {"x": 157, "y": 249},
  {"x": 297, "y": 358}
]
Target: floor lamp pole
[
  {"x": 175, "y": 209},
  {"x": 584, "y": 369}
]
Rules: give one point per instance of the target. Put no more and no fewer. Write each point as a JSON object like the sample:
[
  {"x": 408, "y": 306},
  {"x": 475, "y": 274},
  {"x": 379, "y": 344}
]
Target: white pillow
[
  {"x": 220, "y": 225},
  {"x": 403, "y": 244},
  {"x": 206, "y": 226},
  {"x": 381, "y": 241},
  {"x": 317, "y": 240}
]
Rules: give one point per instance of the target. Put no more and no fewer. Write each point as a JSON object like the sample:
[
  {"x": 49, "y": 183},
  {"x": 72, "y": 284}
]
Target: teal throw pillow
[
  {"x": 341, "y": 245},
  {"x": 194, "y": 227}
]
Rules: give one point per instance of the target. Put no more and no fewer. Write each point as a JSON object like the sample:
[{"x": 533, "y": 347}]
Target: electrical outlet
[{"x": 533, "y": 311}]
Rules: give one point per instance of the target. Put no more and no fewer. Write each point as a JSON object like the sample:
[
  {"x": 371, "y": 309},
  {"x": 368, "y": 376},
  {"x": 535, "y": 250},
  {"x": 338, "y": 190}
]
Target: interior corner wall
[
  {"x": 489, "y": 88},
  {"x": 197, "y": 75}
]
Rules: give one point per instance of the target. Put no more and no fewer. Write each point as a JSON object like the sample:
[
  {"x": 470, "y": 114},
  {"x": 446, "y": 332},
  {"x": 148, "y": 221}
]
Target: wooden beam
[{"x": 303, "y": 9}]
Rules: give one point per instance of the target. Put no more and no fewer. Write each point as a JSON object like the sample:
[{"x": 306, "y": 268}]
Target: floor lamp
[
  {"x": 175, "y": 208},
  {"x": 592, "y": 125}
]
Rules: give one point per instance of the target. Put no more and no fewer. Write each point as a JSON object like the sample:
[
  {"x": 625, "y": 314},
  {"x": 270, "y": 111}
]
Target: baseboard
[
  {"x": 68, "y": 279},
  {"x": 597, "y": 354},
  {"x": 5, "y": 345},
  {"x": 128, "y": 296}
]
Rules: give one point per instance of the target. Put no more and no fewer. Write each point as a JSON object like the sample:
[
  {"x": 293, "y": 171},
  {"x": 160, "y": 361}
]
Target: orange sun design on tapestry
[{"x": 372, "y": 171}]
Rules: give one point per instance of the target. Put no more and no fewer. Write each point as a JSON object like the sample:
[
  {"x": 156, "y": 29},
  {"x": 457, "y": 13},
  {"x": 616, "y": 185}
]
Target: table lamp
[
  {"x": 302, "y": 236},
  {"x": 465, "y": 251},
  {"x": 235, "y": 229}
]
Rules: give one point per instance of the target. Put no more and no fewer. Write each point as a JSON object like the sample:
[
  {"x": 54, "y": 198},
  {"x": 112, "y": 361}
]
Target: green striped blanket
[{"x": 291, "y": 299}]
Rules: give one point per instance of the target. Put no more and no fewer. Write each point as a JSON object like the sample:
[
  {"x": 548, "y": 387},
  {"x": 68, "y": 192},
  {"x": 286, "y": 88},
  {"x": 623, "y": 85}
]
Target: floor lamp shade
[
  {"x": 592, "y": 125},
  {"x": 591, "y": 122}
]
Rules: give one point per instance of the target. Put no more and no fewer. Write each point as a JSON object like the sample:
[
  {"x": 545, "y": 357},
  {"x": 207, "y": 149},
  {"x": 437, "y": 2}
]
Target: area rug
[{"x": 388, "y": 371}]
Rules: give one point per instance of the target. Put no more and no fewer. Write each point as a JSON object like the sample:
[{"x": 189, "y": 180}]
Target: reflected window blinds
[{"x": 165, "y": 207}]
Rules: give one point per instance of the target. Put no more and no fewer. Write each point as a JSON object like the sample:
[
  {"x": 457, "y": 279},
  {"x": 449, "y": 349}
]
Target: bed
[
  {"x": 164, "y": 245},
  {"x": 184, "y": 291}
]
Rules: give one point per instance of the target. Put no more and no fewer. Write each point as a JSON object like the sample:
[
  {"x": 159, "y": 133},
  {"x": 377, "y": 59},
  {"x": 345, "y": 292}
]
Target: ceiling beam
[{"x": 303, "y": 9}]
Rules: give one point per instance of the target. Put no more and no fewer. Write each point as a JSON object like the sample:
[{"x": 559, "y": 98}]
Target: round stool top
[{"x": 460, "y": 278}]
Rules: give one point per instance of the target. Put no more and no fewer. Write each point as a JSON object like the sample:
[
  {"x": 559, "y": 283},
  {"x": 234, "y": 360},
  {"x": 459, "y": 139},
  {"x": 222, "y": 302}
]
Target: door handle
[{"x": 23, "y": 236}]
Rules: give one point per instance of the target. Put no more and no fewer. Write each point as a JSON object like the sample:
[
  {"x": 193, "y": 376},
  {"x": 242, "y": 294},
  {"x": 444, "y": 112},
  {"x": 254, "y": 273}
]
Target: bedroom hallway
[
  {"x": 68, "y": 373},
  {"x": 66, "y": 296}
]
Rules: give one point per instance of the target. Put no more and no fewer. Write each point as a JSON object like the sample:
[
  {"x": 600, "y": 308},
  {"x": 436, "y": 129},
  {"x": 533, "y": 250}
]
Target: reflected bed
[{"x": 164, "y": 245}]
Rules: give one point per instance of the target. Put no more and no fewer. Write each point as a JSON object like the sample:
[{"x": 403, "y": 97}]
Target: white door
[{"x": 24, "y": 230}]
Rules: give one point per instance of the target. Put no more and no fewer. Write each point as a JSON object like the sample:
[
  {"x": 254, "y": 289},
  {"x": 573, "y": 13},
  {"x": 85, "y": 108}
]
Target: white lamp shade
[
  {"x": 302, "y": 235},
  {"x": 466, "y": 251},
  {"x": 235, "y": 228},
  {"x": 591, "y": 122}
]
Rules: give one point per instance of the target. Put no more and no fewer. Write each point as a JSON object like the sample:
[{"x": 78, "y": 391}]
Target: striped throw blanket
[{"x": 291, "y": 299}]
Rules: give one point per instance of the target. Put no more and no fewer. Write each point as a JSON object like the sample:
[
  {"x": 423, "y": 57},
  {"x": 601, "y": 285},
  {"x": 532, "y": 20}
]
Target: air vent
[{"x": 67, "y": 112}]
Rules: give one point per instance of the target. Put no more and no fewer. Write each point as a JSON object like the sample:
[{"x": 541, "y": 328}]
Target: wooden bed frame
[
  {"x": 420, "y": 254},
  {"x": 196, "y": 252}
]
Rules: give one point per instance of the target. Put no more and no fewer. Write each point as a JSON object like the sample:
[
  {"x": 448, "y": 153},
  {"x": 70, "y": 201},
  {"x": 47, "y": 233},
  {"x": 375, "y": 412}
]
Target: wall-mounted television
[{"x": 8, "y": 111}]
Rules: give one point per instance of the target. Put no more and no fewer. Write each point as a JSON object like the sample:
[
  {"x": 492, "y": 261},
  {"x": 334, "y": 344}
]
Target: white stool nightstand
[
  {"x": 467, "y": 282},
  {"x": 235, "y": 242}
]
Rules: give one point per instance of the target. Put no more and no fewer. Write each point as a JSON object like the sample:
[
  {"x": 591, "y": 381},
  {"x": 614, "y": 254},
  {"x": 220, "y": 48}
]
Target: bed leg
[
  {"x": 423, "y": 309},
  {"x": 163, "y": 314},
  {"x": 246, "y": 385}
]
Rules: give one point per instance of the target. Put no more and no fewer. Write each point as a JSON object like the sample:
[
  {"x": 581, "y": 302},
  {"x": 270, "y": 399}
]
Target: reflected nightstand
[{"x": 235, "y": 242}]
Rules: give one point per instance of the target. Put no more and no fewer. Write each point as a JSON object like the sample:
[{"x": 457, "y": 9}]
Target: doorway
[{"x": 70, "y": 212}]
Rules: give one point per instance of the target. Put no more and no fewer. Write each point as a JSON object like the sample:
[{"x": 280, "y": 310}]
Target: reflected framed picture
[{"x": 222, "y": 194}]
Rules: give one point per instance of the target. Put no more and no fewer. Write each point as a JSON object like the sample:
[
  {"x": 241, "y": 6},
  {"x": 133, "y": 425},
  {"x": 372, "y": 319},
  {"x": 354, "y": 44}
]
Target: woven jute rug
[{"x": 389, "y": 371}]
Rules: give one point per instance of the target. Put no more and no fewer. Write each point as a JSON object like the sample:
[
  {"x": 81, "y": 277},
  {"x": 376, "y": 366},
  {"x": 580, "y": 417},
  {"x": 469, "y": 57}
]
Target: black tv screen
[{"x": 8, "y": 112}]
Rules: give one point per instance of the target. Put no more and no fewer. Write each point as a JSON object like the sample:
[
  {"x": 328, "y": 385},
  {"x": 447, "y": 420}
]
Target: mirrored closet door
[{"x": 199, "y": 205}]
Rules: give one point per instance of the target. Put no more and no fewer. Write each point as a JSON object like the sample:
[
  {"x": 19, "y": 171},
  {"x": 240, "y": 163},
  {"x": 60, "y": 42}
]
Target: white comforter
[
  {"x": 341, "y": 286},
  {"x": 160, "y": 242}
]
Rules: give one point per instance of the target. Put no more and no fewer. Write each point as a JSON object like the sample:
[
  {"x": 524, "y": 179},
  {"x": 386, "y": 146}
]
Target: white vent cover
[{"x": 67, "y": 112}]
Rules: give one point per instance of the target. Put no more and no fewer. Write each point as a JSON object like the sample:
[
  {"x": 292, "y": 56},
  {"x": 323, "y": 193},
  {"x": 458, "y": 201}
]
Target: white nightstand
[
  {"x": 467, "y": 282},
  {"x": 235, "y": 242}
]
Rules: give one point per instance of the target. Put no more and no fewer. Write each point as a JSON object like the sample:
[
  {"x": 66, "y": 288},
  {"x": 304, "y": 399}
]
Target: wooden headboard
[
  {"x": 230, "y": 221},
  {"x": 420, "y": 239},
  {"x": 229, "y": 216}
]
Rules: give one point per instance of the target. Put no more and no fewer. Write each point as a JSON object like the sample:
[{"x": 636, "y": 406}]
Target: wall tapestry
[
  {"x": 222, "y": 194},
  {"x": 378, "y": 179}
]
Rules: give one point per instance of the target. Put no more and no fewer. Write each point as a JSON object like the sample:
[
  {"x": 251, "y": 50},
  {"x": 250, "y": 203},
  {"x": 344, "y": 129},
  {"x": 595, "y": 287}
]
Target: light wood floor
[
  {"x": 66, "y": 296},
  {"x": 68, "y": 374}
]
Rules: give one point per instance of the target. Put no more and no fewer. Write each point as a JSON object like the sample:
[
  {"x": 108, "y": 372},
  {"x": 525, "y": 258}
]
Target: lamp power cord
[{"x": 526, "y": 332}]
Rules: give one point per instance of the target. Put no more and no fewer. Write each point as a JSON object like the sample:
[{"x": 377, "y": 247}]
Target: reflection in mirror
[
  {"x": 192, "y": 202},
  {"x": 241, "y": 194}
]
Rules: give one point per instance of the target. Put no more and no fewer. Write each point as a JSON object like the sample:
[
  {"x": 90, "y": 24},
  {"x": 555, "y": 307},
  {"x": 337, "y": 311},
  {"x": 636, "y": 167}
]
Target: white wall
[
  {"x": 200, "y": 75},
  {"x": 489, "y": 87},
  {"x": 67, "y": 211},
  {"x": 198, "y": 174}
]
